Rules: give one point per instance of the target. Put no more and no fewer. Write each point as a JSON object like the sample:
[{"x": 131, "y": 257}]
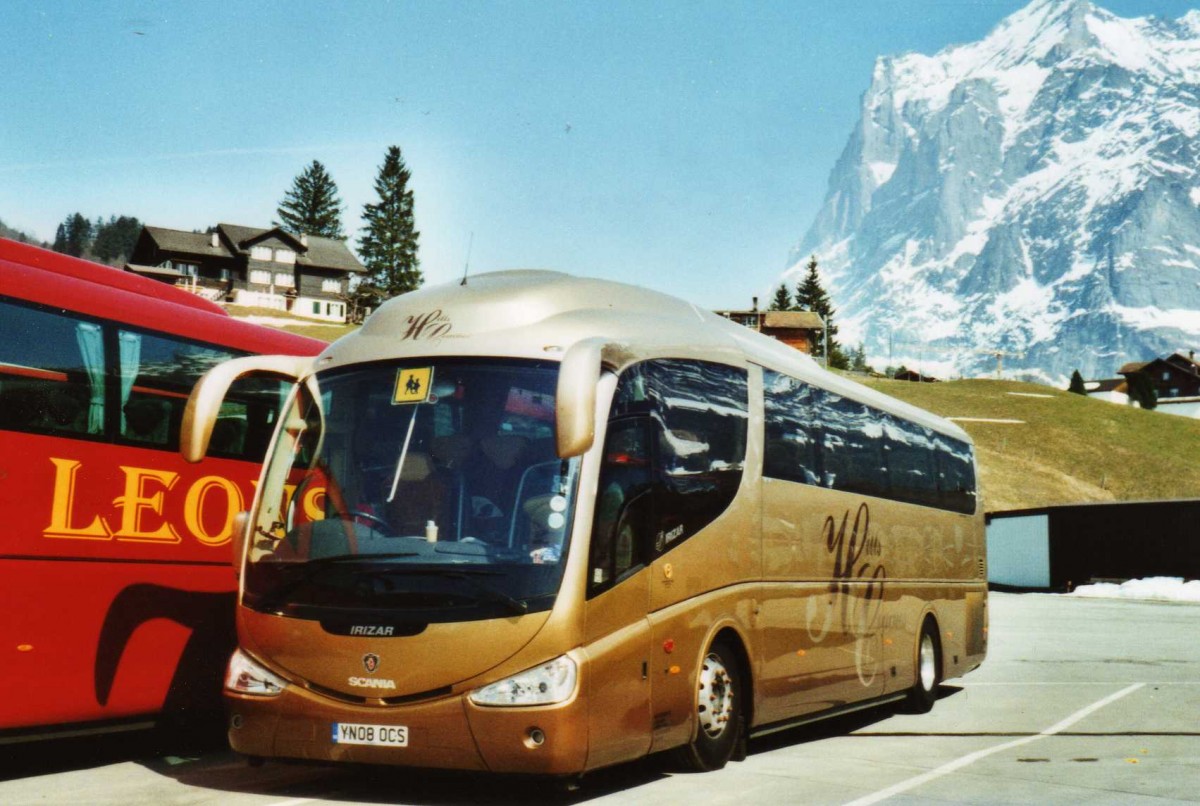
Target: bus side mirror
[
  {"x": 575, "y": 398},
  {"x": 204, "y": 404}
]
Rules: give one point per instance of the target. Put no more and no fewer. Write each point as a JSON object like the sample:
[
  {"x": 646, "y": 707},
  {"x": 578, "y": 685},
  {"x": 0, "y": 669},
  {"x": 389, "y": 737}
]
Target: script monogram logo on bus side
[{"x": 857, "y": 606}]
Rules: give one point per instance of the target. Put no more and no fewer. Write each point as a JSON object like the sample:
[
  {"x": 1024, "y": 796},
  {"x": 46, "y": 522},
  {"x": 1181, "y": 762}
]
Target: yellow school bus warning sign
[{"x": 413, "y": 385}]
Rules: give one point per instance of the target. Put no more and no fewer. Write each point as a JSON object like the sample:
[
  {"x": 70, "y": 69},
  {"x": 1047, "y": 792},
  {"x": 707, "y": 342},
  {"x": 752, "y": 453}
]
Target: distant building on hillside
[
  {"x": 799, "y": 329},
  {"x": 1175, "y": 378},
  {"x": 269, "y": 268},
  {"x": 1113, "y": 390},
  {"x": 913, "y": 376}
]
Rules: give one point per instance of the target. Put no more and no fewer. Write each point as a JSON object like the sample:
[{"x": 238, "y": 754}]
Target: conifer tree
[
  {"x": 388, "y": 244},
  {"x": 811, "y": 296},
  {"x": 858, "y": 361},
  {"x": 782, "y": 300},
  {"x": 1077, "y": 384},
  {"x": 1141, "y": 390},
  {"x": 115, "y": 239},
  {"x": 74, "y": 236},
  {"x": 312, "y": 205}
]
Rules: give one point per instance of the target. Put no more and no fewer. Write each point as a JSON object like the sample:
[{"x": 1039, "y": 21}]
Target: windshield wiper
[
  {"x": 470, "y": 575},
  {"x": 311, "y": 569}
]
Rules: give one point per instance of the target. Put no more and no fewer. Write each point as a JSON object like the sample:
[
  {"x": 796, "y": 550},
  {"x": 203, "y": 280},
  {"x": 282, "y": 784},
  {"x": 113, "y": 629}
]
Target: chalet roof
[
  {"x": 804, "y": 320},
  {"x": 174, "y": 240},
  {"x": 1106, "y": 385},
  {"x": 330, "y": 253},
  {"x": 1187, "y": 363},
  {"x": 800, "y": 320},
  {"x": 1177, "y": 363},
  {"x": 312, "y": 251},
  {"x": 246, "y": 237}
]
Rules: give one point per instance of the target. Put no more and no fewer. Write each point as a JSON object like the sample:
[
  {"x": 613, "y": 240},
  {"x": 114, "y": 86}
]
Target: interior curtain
[
  {"x": 91, "y": 347},
  {"x": 130, "y": 345}
]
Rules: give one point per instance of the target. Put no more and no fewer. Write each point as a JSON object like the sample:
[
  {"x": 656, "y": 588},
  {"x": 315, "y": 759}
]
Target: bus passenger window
[
  {"x": 156, "y": 375},
  {"x": 51, "y": 372}
]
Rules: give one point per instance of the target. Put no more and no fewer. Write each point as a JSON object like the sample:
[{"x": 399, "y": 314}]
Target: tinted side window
[
  {"x": 911, "y": 461},
  {"x": 673, "y": 460},
  {"x": 700, "y": 415},
  {"x": 65, "y": 375},
  {"x": 852, "y": 450},
  {"x": 52, "y": 372},
  {"x": 817, "y": 437},
  {"x": 956, "y": 475},
  {"x": 792, "y": 435},
  {"x": 156, "y": 376}
]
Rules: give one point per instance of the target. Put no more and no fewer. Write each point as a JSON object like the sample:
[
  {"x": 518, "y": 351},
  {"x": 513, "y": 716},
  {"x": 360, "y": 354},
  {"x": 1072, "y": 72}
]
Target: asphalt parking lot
[{"x": 1079, "y": 701}]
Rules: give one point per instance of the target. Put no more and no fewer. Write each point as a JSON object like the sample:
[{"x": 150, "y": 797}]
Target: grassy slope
[
  {"x": 1068, "y": 449},
  {"x": 290, "y": 323}
]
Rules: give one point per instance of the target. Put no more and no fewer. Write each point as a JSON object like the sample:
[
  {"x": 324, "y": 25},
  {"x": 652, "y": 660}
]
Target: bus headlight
[
  {"x": 547, "y": 684},
  {"x": 246, "y": 676}
]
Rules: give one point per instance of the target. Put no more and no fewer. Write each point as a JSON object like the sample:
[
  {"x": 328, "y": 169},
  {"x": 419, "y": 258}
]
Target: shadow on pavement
[
  {"x": 295, "y": 780},
  {"x": 51, "y": 756}
]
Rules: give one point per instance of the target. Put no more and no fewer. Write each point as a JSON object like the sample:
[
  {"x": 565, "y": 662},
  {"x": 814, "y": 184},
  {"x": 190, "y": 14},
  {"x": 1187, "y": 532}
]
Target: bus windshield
[{"x": 424, "y": 490}]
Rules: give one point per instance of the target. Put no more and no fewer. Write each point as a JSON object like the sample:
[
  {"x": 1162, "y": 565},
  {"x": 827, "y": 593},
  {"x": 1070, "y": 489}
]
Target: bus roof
[
  {"x": 540, "y": 314},
  {"x": 60, "y": 281}
]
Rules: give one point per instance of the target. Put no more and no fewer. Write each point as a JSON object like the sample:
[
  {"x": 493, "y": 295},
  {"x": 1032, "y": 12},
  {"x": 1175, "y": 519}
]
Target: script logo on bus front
[
  {"x": 370, "y": 662},
  {"x": 429, "y": 326}
]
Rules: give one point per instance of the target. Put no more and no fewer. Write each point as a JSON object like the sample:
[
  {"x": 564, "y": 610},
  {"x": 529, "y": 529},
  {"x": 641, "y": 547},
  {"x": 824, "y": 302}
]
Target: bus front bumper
[{"x": 448, "y": 733}]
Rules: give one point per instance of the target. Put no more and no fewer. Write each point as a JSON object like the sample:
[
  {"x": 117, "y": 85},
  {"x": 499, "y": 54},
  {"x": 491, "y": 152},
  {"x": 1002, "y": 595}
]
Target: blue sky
[{"x": 680, "y": 145}]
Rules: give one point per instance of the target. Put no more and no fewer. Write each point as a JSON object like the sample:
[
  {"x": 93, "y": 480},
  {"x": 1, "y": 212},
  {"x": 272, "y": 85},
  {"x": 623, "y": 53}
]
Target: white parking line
[{"x": 971, "y": 758}]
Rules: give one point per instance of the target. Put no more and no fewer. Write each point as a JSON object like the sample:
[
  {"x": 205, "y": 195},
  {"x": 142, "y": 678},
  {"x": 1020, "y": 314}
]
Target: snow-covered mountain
[{"x": 1036, "y": 193}]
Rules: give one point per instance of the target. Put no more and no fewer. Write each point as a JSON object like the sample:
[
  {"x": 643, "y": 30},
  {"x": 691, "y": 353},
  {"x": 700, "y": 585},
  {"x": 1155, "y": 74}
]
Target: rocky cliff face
[{"x": 1035, "y": 194}]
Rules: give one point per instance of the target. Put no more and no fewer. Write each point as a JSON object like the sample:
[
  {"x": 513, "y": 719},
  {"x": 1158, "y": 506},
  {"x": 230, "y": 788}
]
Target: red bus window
[{"x": 52, "y": 372}]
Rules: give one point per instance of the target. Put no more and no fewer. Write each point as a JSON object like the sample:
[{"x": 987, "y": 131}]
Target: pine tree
[
  {"x": 115, "y": 239},
  {"x": 1141, "y": 390},
  {"x": 811, "y": 296},
  {"x": 858, "y": 361},
  {"x": 74, "y": 236},
  {"x": 782, "y": 301},
  {"x": 1077, "y": 384},
  {"x": 388, "y": 245},
  {"x": 312, "y": 205}
]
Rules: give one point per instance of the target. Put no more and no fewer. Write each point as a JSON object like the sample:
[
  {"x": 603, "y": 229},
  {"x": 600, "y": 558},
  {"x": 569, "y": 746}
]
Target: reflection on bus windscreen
[{"x": 432, "y": 489}]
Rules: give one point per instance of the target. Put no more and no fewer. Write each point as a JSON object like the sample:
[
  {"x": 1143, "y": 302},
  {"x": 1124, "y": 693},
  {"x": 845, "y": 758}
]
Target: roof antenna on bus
[{"x": 467, "y": 267}]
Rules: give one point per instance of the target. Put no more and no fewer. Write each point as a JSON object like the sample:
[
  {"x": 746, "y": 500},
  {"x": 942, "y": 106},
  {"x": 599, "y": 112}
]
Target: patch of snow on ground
[
  {"x": 1159, "y": 589},
  {"x": 283, "y": 320}
]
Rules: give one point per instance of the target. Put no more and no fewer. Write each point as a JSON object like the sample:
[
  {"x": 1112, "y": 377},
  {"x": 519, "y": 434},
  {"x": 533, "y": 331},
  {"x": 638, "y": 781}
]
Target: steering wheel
[{"x": 371, "y": 518}]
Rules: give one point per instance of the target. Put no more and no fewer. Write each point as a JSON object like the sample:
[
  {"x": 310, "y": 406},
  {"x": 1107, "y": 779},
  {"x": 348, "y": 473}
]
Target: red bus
[{"x": 117, "y": 586}]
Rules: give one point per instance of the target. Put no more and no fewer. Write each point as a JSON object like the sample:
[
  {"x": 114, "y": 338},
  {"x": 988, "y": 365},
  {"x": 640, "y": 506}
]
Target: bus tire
[
  {"x": 719, "y": 710},
  {"x": 923, "y": 694}
]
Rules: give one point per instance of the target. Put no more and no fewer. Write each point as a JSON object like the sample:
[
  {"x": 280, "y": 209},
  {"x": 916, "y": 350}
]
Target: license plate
[{"x": 377, "y": 735}]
